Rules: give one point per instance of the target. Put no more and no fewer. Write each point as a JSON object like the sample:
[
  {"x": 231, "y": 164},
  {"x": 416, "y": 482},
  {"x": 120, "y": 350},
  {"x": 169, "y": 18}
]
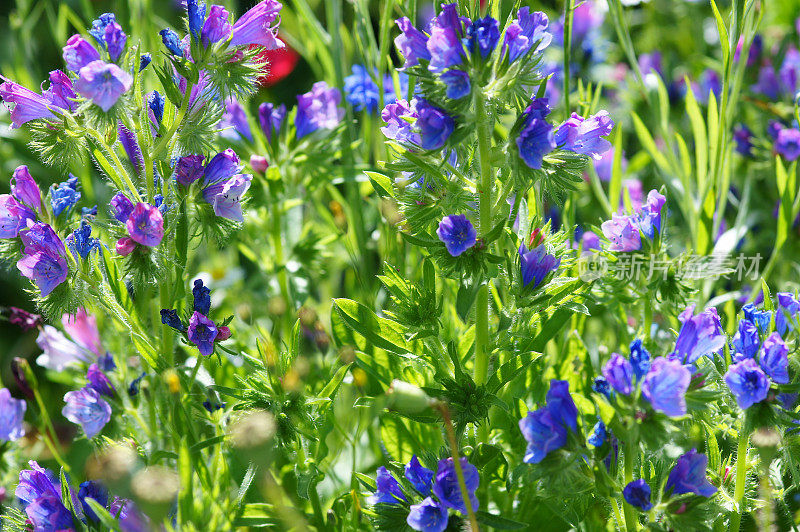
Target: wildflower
[
  {"x": 536, "y": 264},
  {"x": 125, "y": 246},
  {"x": 598, "y": 436},
  {"x": 189, "y": 169},
  {"x": 748, "y": 383},
  {"x": 12, "y": 413},
  {"x": 25, "y": 190},
  {"x": 103, "y": 83},
  {"x": 527, "y": 30},
  {"x": 216, "y": 27},
  {"x": 271, "y": 118},
  {"x": 121, "y": 207},
  {"x": 14, "y": 216},
  {"x": 457, "y": 233},
  {"x": 743, "y": 138},
  {"x": 98, "y": 381},
  {"x": 95, "y": 491},
  {"x": 202, "y": 333},
  {"x": 196, "y": 13},
  {"x": 434, "y": 124},
  {"x": 601, "y": 386},
  {"x": 786, "y": 313},
  {"x": 640, "y": 359},
  {"x": 29, "y": 105},
  {"x": 584, "y": 135},
  {"x": 79, "y": 52},
  {"x": 144, "y": 60},
  {"x": 787, "y": 143},
  {"x": 86, "y": 408},
  {"x": 49, "y": 513},
  {"x": 398, "y": 128},
  {"x": 428, "y": 516},
  {"x": 746, "y": 341},
  {"x": 131, "y": 146},
  {"x": 234, "y": 123},
  {"x": 145, "y": 225},
  {"x": 259, "y": 163},
  {"x": 133, "y": 388},
  {"x": 202, "y": 297},
  {"x": 24, "y": 319},
  {"x": 411, "y": 43},
  {"x": 58, "y": 351},
  {"x": 536, "y": 138},
  {"x": 457, "y": 82},
  {"x": 44, "y": 258},
  {"x": 589, "y": 241},
  {"x": 64, "y": 196},
  {"x": 790, "y": 70},
  {"x": 225, "y": 196},
  {"x": 108, "y": 34},
  {"x": 650, "y": 216},
  {"x": 170, "y": 317},
  {"x": 388, "y": 490},
  {"x": 700, "y": 335},
  {"x": 760, "y": 318},
  {"x": 444, "y": 44},
  {"x": 81, "y": 242},
  {"x": 446, "y": 488},
  {"x": 419, "y": 476},
  {"x": 360, "y": 90},
  {"x": 256, "y": 26},
  {"x": 637, "y": 493},
  {"x": 774, "y": 358},
  {"x": 318, "y": 109},
  {"x": 545, "y": 429},
  {"x": 689, "y": 476},
  {"x": 665, "y": 386},
  {"x": 223, "y": 333},
  {"x": 482, "y": 36},
  {"x": 171, "y": 41},
  {"x": 618, "y": 371}
]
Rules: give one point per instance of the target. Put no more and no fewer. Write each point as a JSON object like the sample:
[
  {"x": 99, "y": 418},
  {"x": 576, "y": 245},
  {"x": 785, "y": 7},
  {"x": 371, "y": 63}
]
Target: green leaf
[
  {"x": 382, "y": 184},
  {"x": 648, "y": 143},
  {"x": 380, "y": 332},
  {"x": 330, "y": 389},
  {"x": 497, "y": 522}
]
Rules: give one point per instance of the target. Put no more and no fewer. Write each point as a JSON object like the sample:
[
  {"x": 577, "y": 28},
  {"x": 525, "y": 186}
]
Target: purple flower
[
  {"x": 618, "y": 371},
  {"x": 748, "y": 383},
  {"x": 446, "y": 488},
  {"x": 14, "y": 216},
  {"x": 419, "y": 476},
  {"x": 545, "y": 429},
  {"x": 234, "y": 123},
  {"x": 121, "y": 207},
  {"x": 584, "y": 135},
  {"x": 774, "y": 359},
  {"x": 82, "y": 328},
  {"x": 665, "y": 386},
  {"x": 536, "y": 138},
  {"x": 760, "y": 318},
  {"x": 637, "y": 493},
  {"x": 49, "y": 513},
  {"x": 225, "y": 196},
  {"x": 25, "y": 189},
  {"x": 115, "y": 40},
  {"x": 271, "y": 118},
  {"x": 790, "y": 70},
  {"x": 536, "y": 264},
  {"x": 99, "y": 382},
  {"x": 36, "y": 482},
  {"x": 428, "y": 516},
  {"x": 217, "y": 26},
  {"x": 170, "y": 317},
  {"x": 128, "y": 515},
  {"x": 86, "y": 408},
  {"x": 482, "y": 36},
  {"x": 318, "y": 109},
  {"x": 434, "y": 124},
  {"x": 788, "y": 143},
  {"x": 201, "y": 296},
  {"x": 640, "y": 359},
  {"x": 196, "y": 13},
  {"x": 171, "y": 41},
  {"x": 605, "y": 163},
  {"x": 746, "y": 341},
  {"x": 222, "y": 166},
  {"x": 623, "y": 232},
  {"x": 743, "y": 138},
  {"x": 45, "y": 258},
  {"x": 457, "y": 82},
  {"x": 689, "y": 476},
  {"x": 145, "y": 225},
  {"x": 92, "y": 490},
  {"x": 650, "y": 216},
  {"x": 397, "y": 127},
  {"x": 131, "y": 146},
  {"x": 256, "y": 26},
  {"x": 589, "y": 241},
  {"x": 29, "y": 105},
  {"x": 788, "y": 307},
  {"x": 202, "y": 333},
  {"x": 78, "y": 53},
  {"x": 457, "y": 233},
  {"x": 411, "y": 43},
  {"x": 444, "y": 44},
  {"x": 12, "y": 412},
  {"x": 23, "y": 319},
  {"x": 388, "y": 490},
  {"x": 103, "y": 83},
  {"x": 58, "y": 351},
  {"x": 768, "y": 83},
  {"x": 188, "y": 169},
  {"x": 524, "y": 32},
  {"x": 360, "y": 90}
]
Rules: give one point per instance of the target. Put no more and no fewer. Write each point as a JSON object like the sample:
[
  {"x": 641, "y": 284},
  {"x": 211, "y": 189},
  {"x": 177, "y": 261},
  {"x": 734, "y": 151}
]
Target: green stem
[
  {"x": 567, "y": 51},
  {"x": 165, "y": 140},
  {"x": 485, "y": 187},
  {"x": 49, "y": 433},
  {"x": 462, "y": 485},
  {"x": 283, "y": 281},
  {"x": 631, "y": 523},
  {"x": 120, "y": 168},
  {"x": 741, "y": 477}
]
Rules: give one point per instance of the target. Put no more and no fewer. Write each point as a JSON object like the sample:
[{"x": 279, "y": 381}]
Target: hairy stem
[{"x": 741, "y": 477}]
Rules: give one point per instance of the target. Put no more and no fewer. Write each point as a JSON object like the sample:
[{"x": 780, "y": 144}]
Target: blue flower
[
  {"x": 428, "y": 516},
  {"x": 457, "y": 82},
  {"x": 318, "y": 109},
  {"x": 81, "y": 242},
  {"x": 49, "y": 513},
  {"x": 99, "y": 382},
  {"x": 536, "y": 264},
  {"x": 561, "y": 405},
  {"x": 598, "y": 436},
  {"x": 457, "y": 233},
  {"x": 86, "y": 408},
  {"x": 388, "y": 490},
  {"x": 446, "y": 487},
  {"x": 689, "y": 476},
  {"x": 601, "y": 385},
  {"x": 700, "y": 335},
  {"x": 133, "y": 389},
  {"x": 637, "y": 493},
  {"x": 584, "y": 135},
  {"x": 774, "y": 358},
  {"x": 360, "y": 90},
  {"x": 92, "y": 490},
  {"x": 665, "y": 386},
  {"x": 434, "y": 124},
  {"x": 650, "y": 216},
  {"x": 234, "y": 124},
  {"x": 419, "y": 476},
  {"x": 640, "y": 359},
  {"x": 743, "y": 138},
  {"x": 545, "y": 429},
  {"x": 746, "y": 341},
  {"x": 482, "y": 36},
  {"x": 788, "y": 308},
  {"x": 170, "y": 318},
  {"x": 196, "y": 12},
  {"x": 271, "y": 118},
  {"x": 760, "y": 318},
  {"x": 12, "y": 413},
  {"x": 155, "y": 102},
  {"x": 748, "y": 383},
  {"x": 171, "y": 41},
  {"x": 64, "y": 196},
  {"x": 618, "y": 371},
  {"x": 536, "y": 137},
  {"x": 202, "y": 297},
  {"x": 144, "y": 60},
  {"x": 411, "y": 43}
]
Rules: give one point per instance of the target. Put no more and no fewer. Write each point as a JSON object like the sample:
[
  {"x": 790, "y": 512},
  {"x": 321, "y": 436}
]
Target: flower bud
[
  {"x": 125, "y": 246},
  {"x": 223, "y": 333},
  {"x": 406, "y": 398},
  {"x": 259, "y": 163},
  {"x": 23, "y": 376}
]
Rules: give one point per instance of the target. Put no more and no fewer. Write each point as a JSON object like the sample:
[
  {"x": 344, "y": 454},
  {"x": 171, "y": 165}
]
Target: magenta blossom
[
  {"x": 25, "y": 189},
  {"x": 146, "y": 225},
  {"x": 29, "y": 105},
  {"x": 82, "y": 327},
  {"x": 78, "y": 53}
]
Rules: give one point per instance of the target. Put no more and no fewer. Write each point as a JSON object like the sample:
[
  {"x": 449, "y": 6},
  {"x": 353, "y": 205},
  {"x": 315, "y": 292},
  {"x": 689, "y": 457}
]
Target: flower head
[
  {"x": 700, "y": 335},
  {"x": 637, "y": 493},
  {"x": 598, "y": 436},
  {"x": 189, "y": 169},
  {"x": 545, "y": 429},
  {"x": 14, "y": 216},
  {"x": 435, "y": 125},
  {"x": 202, "y": 333},
  {"x": 428, "y": 516},
  {"x": 58, "y": 351},
  {"x": 524, "y": 32},
  {"x": 396, "y": 116},
  {"x": 29, "y": 105},
  {"x": 234, "y": 124},
  {"x": 419, "y": 476},
  {"x": 145, "y": 225},
  {"x": 103, "y": 83},
  {"x": 536, "y": 138},
  {"x": 318, "y": 109},
  {"x": 225, "y": 196},
  {"x": 446, "y": 488},
  {"x": 444, "y": 44},
  {"x": 259, "y": 26},
  {"x": 121, "y": 207},
  {"x": 222, "y": 166},
  {"x": 49, "y": 513},
  {"x": 86, "y": 408},
  {"x": 81, "y": 242},
  {"x": 360, "y": 90},
  {"x": 650, "y": 215},
  {"x": 665, "y": 386},
  {"x": 170, "y": 317},
  {"x": 411, "y": 43},
  {"x": 457, "y": 233},
  {"x": 618, "y": 371},
  {"x": 64, "y": 196},
  {"x": 774, "y": 358},
  {"x": 271, "y": 118},
  {"x": 12, "y": 413},
  {"x": 746, "y": 341},
  {"x": 536, "y": 264},
  {"x": 787, "y": 311},
  {"x": 760, "y": 318},
  {"x": 202, "y": 297},
  {"x": 25, "y": 190},
  {"x": 689, "y": 476},
  {"x": 623, "y": 232},
  {"x": 171, "y": 41},
  {"x": 584, "y": 135},
  {"x": 388, "y": 490},
  {"x": 79, "y": 52},
  {"x": 787, "y": 143},
  {"x": 98, "y": 381},
  {"x": 95, "y": 491},
  {"x": 482, "y": 36},
  {"x": 44, "y": 259},
  {"x": 216, "y": 27},
  {"x": 748, "y": 383},
  {"x": 640, "y": 359},
  {"x": 458, "y": 84}
]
